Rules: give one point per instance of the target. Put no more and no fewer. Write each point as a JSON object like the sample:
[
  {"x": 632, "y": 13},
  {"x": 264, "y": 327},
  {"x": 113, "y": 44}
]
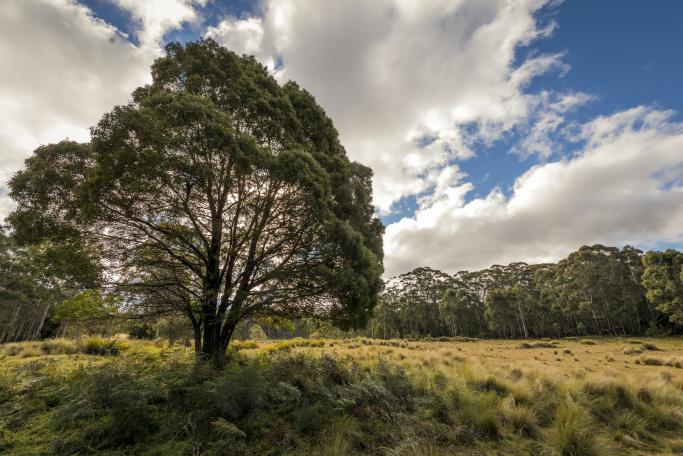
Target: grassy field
[{"x": 338, "y": 397}]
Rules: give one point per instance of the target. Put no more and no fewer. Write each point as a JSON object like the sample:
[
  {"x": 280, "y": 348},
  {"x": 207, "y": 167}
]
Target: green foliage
[
  {"x": 174, "y": 329},
  {"x": 89, "y": 312},
  {"x": 216, "y": 194},
  {"x": 663, "y": 278},
  {"x": 141, "y": 330},
  {"x": 257, "y": 333}
]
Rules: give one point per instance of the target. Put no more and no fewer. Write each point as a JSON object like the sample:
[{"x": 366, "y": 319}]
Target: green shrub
[{"x": 141, "y": 330}]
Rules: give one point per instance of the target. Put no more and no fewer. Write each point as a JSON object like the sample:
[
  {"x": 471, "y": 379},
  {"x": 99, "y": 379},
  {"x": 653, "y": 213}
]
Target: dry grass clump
[
  {"x": 488, "y": 384},
  {"x": 654, "y": 361},
  {"x": 540, "y": 344},
  {"x": 587, "y": 342},
  {"x": 298, "y": 342},
  {"x": 478, "y": 411},
  {"x": 574, "y": 432},
  {"x": 30, "y": 351},
  {"x": 450, "y": 339},
  {"x": 244, "y": 345},
  {"x": 632, "y": 351},
  {"x": 59, "y": 347},
  {"x": 46, "y": 347},
  {"x": 101, "y": 346},
  {"x": 650, "y": 361},
  {"x": 521, "y": 418}
]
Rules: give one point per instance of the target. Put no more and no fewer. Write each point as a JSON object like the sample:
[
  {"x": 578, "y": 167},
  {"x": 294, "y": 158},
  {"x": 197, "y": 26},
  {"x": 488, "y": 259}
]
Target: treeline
[
  {"x": 596, "y": 290},
  {"x": 35, "y": 283}
]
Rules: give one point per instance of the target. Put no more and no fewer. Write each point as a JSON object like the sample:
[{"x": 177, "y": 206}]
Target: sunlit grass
[{"x": 548, "y": 397}]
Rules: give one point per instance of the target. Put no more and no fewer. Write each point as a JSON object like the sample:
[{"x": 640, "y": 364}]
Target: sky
[{"x": 497, "y": 130}]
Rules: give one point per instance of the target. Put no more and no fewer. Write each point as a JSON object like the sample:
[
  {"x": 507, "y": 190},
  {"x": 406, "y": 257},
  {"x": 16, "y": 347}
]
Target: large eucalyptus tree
[{"x": 216, "y": 193}]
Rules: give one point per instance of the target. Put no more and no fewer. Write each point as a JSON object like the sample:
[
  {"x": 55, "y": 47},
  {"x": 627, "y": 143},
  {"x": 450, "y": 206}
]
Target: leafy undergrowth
[{"x": 153, "y": 400}]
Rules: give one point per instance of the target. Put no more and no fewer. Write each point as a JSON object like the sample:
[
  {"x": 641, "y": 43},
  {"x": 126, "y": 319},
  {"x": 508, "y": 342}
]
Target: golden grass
[
  {"x": 526, "y": 391},
  {"x": 561, "y": 359}
]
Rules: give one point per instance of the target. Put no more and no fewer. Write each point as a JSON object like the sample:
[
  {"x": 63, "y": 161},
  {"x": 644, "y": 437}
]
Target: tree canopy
[
  {"x": 663, "y": 277},
  {"x": 216, "y": 193}
]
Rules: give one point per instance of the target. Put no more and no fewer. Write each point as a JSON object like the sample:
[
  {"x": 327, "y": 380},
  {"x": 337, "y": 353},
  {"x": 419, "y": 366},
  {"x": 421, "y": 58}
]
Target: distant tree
[
  {"x": 462, "y": 313},
  {"x": 257, "y": 333},
  {"x": 595, "y": 290},
  {"x": 88, "y": 312},
  {"x": 34, "y": 280},
  {"x": 414, "y": 298},
  {"x": 663, "y": 279},
  {"x": 216, "y": 193}
]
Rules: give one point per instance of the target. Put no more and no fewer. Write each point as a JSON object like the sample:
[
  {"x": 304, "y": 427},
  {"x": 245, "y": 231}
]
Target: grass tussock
[
  {"x": 540, "y": 344},
  {"x": 574, "y": 433},
  {"x": 87, "y": 345},
  {"x": 656, "y": 361},
  {"x": 101, "y": 346}
]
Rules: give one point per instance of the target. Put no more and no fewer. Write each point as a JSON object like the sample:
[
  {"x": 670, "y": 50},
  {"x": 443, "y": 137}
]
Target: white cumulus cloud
[
  {"x": 393, "y": 72},
  {"x": 62, "y": 68},
  {"x": 624, "y": 185}
]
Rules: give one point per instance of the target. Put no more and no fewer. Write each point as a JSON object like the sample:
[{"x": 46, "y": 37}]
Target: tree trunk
[{"x": 197, "y": 330}]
